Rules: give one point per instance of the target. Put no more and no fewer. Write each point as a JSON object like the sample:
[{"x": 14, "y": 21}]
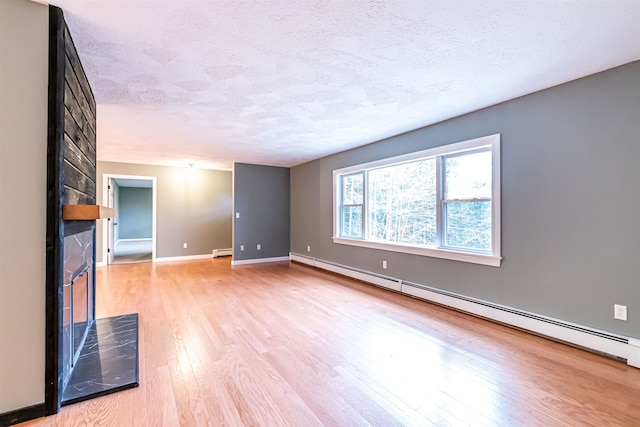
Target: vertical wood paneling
[
  {"x": 78, "y": 115},
  {"x": 79, "y": 139},
  {"x": 75, "y": 179},
  {"x": 72, "y": 55},
  {"x": 80, "y": 129},
  {"x": 74, "y": 85},
  {"x": 74, "y": 197},
  {"x": 76, "y": 157},
  {"x": 79, "y": 166}
]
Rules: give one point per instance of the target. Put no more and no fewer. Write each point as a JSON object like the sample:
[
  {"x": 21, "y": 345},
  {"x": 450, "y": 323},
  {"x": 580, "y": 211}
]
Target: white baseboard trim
[
  {"x": 634, "y": 352},
  {"x": 604, "y": 342},
  {"x": 376, "y": 280},
  {"x": 101, "y": 264},
  {"x": 260, "y": 260},
  {"x": 385, "y": 282},
  {"x": 182, "y": 258},
  {"x": 222, "y": 252},
  {"x": 302, "y": 259},
  {"x": 552, "y": 330}
]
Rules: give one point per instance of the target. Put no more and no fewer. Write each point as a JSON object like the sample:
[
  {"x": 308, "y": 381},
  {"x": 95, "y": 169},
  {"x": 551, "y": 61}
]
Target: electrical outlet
[
  {"x": 620, "y": 312},
  {"x": 308, "y": 248},
  {"x": 237, "y": 214},
  {"x": 184, "y": 246},
  {"x": 258, "y": 246},
  {"x": 384, "y": 264},
  {"x": 242, "y": 247}
]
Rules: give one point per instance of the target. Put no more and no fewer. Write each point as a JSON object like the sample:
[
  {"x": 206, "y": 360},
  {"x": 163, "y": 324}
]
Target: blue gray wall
[
  {"x": 135, "y": 213},
  {"x": 570, "y": 203},
  {"x": 261, "y": 198}
]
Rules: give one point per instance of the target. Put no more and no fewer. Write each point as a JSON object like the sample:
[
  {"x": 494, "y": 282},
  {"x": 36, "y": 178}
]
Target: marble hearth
[{"x": 108, "y": 361}]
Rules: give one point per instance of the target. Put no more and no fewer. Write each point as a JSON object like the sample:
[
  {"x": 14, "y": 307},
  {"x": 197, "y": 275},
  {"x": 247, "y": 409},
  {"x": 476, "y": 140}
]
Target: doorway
[{"x": 130, "y": 236}]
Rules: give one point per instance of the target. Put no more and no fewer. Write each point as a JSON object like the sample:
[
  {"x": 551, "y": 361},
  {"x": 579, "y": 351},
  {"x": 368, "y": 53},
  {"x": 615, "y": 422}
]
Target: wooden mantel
[{"x": 87, "y": 212}]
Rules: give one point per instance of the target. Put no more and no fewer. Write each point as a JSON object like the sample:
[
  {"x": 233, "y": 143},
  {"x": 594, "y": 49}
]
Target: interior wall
[
  {"x": 261, "y": 199},
  {"x": 24, "y": 41},
  {"x": 193, "y": 207},
  {"x": 135, "y": 213},
  {"x": 570, "y": 203}
]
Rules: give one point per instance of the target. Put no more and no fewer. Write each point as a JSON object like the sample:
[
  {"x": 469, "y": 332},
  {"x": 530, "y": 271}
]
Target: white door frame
[
  {"x": 111, "y": 224},
  {"x": 154, "y": 205}
]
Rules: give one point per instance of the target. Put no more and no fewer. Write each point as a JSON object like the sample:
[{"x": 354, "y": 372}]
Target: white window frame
[
  {"x": 491, "y": 258},
  {"x": 362, "y": 205}
]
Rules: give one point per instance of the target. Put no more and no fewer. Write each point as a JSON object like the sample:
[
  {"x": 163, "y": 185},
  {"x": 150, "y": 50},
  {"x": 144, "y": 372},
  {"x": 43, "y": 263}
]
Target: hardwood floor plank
[
  {"x": 251, "y": 398},
  {"x": 329, "y": 406},
  {"x": 282, "y": 344},
  {"x": 160, "y": 403}
]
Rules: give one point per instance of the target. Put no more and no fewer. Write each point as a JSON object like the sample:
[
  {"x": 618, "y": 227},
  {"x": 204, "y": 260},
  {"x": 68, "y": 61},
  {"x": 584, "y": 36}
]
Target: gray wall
[
  {"x": 261, "y": 197},
  {"x": 193, "y": 206},
  {"x": 24, "y": 28},
  {"x": 570, "y": 203},
  {"x": 134, "y": 216}
]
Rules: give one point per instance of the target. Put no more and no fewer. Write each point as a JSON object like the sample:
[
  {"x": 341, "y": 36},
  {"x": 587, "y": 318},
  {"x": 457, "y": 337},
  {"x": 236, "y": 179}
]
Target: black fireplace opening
[
  {"x": 78, "y": 297},
  {"x": 80, "y": 318}
]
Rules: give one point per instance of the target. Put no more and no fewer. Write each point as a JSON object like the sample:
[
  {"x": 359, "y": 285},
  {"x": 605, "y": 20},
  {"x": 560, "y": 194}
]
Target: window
[
  {"x": 443, "y": 202},
  {"x": 352, "y": 205}
]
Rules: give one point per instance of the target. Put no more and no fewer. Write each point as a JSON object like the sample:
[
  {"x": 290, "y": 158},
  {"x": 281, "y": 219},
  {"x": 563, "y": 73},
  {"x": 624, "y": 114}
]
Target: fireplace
[
  {"x": 78, "y": 296},
  {"x": 86, "y": 357}
]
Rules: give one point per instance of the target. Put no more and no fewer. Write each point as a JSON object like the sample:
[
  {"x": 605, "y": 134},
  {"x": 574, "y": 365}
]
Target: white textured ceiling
[{"x": 281, "y": 82}]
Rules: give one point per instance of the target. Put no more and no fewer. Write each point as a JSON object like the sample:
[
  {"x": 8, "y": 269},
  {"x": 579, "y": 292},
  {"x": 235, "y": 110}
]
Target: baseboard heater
[
  {"x": 222, "y": 252},
  {"x": 600, "y": 341}
]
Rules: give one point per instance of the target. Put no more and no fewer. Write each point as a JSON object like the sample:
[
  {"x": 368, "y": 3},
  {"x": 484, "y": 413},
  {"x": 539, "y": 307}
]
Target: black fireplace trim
[{"x": 55, "y": 225}]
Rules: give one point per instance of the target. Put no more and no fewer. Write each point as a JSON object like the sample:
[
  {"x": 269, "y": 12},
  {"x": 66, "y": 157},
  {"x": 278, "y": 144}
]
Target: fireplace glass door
[{"x": 80, "y": 306}]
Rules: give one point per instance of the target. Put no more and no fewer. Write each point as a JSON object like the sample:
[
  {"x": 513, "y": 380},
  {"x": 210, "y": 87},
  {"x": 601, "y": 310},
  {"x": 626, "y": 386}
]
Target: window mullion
[
  {"x": 439, "y": 204},
  {"x": 365, "y": 205}
]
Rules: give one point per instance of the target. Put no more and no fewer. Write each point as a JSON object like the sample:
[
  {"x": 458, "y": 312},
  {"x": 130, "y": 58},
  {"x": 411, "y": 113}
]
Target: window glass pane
[
  {"x": 468, "y": 225},
  {"x": 402, "y": 203},
  {"x": 352, "y": 189},
  {"x": 352, "y": 221},
  {"x": 468, "y": 176}
]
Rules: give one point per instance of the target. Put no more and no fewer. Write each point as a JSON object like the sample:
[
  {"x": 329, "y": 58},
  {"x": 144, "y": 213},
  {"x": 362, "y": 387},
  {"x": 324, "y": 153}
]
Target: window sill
[{"x": 493, "y": 261}]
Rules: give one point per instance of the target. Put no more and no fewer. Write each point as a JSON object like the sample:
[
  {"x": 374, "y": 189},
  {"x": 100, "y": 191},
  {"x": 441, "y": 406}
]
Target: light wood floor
[{"x": 287, "y": 345}]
